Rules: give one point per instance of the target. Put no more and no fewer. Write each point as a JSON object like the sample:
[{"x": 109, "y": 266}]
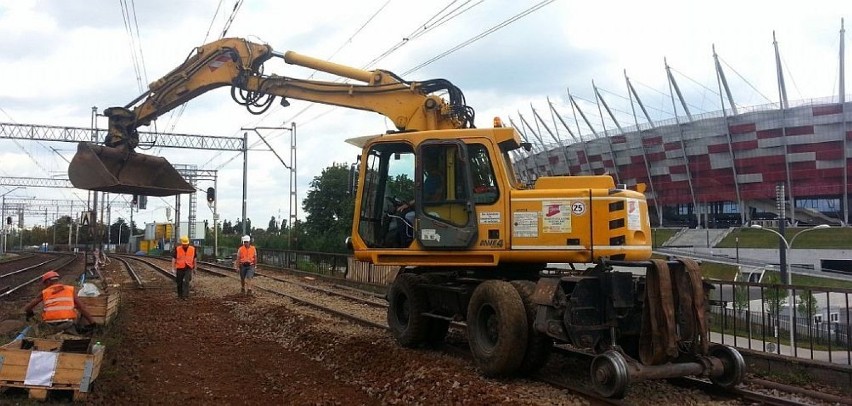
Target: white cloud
[{"x": 61, "y": 58}]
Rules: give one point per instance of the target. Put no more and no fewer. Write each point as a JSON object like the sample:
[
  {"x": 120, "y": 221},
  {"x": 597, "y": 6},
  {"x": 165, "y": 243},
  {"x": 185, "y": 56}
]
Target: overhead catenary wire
[
  {"x": 176, "y": 115},
  {"x": 131, "y": 26},
  {"x": 438, "y": 19},
  {"x": 479, "y": 36}
]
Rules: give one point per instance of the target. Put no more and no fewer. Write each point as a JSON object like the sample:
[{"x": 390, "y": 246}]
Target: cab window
[{"x": 485, "y": 189}]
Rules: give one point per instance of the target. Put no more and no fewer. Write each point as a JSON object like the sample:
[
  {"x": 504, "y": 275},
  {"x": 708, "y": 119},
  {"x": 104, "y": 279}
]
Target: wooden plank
[
  {"x": 38, "y": 394},
  {"x": 102, "y": 308},
  {"x": 80, "y": 396}
]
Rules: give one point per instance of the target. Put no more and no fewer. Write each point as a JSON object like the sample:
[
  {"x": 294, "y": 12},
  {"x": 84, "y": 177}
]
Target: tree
[
  {"x": 401, "y": 186},
  {"x": 741, "y": 295},
  {"x": 227, "y": 228},
  {"x": 273, "y": 226},
  {"x": 807, "y": 304},
  {"x": 328, "y": 207},
  {"x": 114, "y": 232},
  {"x": 773, "y": 296}
]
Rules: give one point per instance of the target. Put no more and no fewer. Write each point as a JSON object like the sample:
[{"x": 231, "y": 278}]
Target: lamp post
[
  {"x": 737, "y": 239},
  {"x": 3, "y": 217},
  {"x": 785, "y": 274}
]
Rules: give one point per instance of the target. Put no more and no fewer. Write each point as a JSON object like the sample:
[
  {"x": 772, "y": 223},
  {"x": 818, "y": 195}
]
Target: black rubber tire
[
  {"x": 539, "y": 346},
  {"x": 497, "y": 328},
  {"x": 406, "y": 304}
]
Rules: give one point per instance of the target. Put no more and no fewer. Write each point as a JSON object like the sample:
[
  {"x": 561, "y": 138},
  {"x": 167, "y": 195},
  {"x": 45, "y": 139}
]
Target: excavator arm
[
  {"x": 239, "y": 63},
  {"x": 115, "y": 167}
]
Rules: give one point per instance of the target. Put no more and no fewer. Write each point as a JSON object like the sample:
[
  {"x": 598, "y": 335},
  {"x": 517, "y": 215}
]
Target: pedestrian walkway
[
  {"x": 840, "y": 356},
  {"x": 697, "y": 237},
  {"x": 801, "y": 261}
]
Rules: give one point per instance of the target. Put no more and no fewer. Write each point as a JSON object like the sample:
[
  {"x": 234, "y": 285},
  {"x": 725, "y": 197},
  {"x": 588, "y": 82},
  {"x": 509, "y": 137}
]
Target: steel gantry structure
[
  {"x": 151, "y": 139},
  {"x": 82, "y": 134}
]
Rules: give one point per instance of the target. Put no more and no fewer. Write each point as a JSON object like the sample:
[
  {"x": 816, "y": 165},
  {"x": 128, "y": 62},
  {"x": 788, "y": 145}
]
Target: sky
[{"x": 59, "y": 58}]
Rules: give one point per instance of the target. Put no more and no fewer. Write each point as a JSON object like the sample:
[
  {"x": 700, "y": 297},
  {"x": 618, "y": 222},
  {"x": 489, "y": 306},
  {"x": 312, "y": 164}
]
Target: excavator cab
[{"x": 116, "y": 168}]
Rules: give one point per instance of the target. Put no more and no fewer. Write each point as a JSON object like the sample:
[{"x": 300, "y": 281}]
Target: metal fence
[
  {"x": 768, "y": 318},
  {"x": 337, "y": 265},
  {"x": 744, "y": 314}
]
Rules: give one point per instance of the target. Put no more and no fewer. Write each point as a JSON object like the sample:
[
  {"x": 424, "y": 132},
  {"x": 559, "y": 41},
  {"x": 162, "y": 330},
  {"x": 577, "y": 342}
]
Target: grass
[
  {"x": 833, "y": 238},
  {"x": 717, "y": 271},
  {"x": 660, "y": 235},
  {"x": 813, "y": 281}
]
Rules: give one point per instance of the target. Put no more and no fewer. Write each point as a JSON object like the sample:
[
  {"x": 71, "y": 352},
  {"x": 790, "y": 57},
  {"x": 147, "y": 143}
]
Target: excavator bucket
[{"x": 114, "y": 170}]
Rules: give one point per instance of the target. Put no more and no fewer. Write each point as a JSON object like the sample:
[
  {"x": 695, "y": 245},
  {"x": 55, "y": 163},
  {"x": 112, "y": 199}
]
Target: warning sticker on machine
[
  {"x": 429, "y": 234},
  {"x": 634, "y": 215},
  {"x": 556, "y": 216},
  {"x": 525, "y": 224},
  {"x": 489, "y": 217}
]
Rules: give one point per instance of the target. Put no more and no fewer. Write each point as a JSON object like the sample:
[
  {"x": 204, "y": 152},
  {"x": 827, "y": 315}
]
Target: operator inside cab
[{"x": 59, "y": 313}]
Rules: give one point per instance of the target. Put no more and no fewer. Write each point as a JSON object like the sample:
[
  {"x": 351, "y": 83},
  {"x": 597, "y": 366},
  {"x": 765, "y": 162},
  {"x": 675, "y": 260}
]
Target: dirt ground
[{"x": 222, "y": 348}]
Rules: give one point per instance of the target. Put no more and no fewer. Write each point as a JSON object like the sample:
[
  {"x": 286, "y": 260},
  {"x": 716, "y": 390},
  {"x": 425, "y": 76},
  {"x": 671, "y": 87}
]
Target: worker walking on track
[
  {"x": 59, "y": 314},
  {"x": 245, "y": 264},
  {"x": 183, "y": 263}
]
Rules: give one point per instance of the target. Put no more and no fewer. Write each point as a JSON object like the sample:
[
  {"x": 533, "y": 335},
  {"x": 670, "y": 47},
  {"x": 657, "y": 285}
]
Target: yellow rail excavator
[{"x": 566, "y": 260}]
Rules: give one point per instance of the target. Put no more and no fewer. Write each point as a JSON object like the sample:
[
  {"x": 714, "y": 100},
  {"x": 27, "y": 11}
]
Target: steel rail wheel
[
  {"x": 609, "y": 374},
  {"x": 732, "y": 360}
]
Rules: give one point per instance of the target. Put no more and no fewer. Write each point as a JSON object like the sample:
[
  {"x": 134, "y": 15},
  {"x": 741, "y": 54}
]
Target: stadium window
[{"x": 730, "y": 207}]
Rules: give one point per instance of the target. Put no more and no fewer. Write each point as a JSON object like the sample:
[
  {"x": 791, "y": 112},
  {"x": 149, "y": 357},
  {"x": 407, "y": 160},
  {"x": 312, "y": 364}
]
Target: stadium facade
[
  {"x": 726, "y": 170},
  {"x": 722, "y": 169}
]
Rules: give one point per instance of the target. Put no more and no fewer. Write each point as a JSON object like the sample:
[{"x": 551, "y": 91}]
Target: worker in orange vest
[
  {"x": 245, "y": 264},
  {"x": 59, "y": 314},
  {"x": 183, "y": 262}
]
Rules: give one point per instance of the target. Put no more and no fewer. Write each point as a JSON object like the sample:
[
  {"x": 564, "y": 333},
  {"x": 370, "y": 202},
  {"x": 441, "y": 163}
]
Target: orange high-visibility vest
[
  {"x": 247, "y": 255},
  {"x": 58, "y": 303},
  {"x": 185, "y": 257}
]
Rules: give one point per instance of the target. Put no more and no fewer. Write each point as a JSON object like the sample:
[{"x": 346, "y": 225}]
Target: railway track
[
  {"x": 367, "y": 299},
  {"x": 13, "y": 280}
]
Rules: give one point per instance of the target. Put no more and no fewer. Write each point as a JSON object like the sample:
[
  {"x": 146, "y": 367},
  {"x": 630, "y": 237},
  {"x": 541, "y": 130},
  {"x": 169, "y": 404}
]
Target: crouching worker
[
  {"x": 59, "y": 313},
  {"x": 245, "y": 264}
]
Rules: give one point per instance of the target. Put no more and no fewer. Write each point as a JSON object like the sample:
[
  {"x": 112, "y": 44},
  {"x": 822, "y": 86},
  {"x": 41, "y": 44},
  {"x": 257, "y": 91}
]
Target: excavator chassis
[
  {"x": 514, "y": 321},
  {"x": 120, "y": 170}
]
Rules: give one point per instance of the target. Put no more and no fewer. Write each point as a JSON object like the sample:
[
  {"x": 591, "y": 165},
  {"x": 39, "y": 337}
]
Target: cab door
[{"x": 445, "y": 212}]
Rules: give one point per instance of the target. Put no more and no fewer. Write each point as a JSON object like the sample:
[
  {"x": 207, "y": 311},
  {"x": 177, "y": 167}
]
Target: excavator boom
[{"x": 117, "y": 168}]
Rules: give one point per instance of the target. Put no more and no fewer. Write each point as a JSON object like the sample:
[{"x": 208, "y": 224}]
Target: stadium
[{"x": 720, "y": 169}]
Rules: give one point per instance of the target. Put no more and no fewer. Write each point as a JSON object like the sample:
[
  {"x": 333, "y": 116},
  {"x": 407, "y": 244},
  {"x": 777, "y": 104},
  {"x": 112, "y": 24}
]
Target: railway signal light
[
  {"x": 211, "y": 195},
  {"x": 9, "y": 220}
]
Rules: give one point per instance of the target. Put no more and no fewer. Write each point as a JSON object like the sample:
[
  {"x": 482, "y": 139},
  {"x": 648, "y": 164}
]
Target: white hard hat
[{"x": 246, "y": 238}]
